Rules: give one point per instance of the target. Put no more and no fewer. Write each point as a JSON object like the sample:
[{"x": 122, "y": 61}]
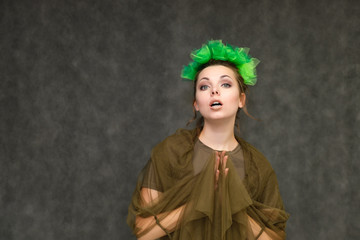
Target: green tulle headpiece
[{"x": 216, "y": 50}]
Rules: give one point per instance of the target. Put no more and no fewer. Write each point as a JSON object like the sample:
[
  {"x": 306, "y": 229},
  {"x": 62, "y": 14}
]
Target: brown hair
[{"x": 243, "y": 88}]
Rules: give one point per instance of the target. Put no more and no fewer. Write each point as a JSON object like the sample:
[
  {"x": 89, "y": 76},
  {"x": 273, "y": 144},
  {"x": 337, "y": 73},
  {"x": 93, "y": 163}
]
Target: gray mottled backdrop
[{"x": 89, "y": 87}]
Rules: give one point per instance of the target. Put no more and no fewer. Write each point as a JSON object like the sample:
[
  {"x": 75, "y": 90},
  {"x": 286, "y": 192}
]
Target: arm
[
  {"x": 169, "y": 220},
  {"x": 169, "y": 223},
  {"x": 273, "y": 212},
  {"x": 265, "y": 235}
]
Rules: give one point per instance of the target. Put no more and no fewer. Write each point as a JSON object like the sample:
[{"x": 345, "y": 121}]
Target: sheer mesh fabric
[{"x": 178, "y": 182}]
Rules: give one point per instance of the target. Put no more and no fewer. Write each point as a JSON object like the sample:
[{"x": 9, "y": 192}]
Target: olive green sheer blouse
[{"x": 181, "y": 168}]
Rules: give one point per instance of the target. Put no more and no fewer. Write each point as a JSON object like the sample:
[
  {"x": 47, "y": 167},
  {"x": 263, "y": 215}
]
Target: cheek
[
  {"x": 199, "y": 98},
  {"x": 201, "y": 102},
  {"x": 234, "y": 99}
]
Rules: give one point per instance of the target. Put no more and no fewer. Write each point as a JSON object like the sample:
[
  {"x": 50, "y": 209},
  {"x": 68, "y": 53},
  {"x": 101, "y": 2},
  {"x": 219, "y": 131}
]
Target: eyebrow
[
  {"x": 204, "y": 78},
  {"x": 223, "y": 76}
]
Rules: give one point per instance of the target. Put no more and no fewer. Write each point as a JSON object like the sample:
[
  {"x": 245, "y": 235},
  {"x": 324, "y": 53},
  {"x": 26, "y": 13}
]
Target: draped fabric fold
[{"x": 210, "y": 212}]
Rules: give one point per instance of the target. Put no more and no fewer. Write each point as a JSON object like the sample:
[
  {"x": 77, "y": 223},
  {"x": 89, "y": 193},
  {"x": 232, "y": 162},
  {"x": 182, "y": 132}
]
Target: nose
[{"x": 215, "y": 91}]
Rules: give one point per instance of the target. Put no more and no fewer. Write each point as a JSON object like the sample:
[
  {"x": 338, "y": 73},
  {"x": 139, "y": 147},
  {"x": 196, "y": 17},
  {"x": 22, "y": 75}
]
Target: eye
[
  {"x": 226, "y": 85},
  {"x": 204, "y": 87}
]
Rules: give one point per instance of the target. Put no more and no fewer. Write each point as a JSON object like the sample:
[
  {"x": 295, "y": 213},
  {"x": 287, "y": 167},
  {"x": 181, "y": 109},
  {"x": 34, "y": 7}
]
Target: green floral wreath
[{"x": 216, "y": 50}]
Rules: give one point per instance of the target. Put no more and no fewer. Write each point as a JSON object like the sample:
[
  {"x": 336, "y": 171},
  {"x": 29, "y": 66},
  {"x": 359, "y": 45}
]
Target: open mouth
[{"x": 214, "y": 104}]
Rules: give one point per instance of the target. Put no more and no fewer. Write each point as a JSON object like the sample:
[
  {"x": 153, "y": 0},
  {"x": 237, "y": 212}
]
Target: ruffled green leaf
[
  {"x": 248, "y": 71},
  {"x": 232, "y": 55},
  {"x": 202, "y": 55},
  {"x": 218, "y": 50},
  {"x": 189, "y": 71},
  {"x": 243, "y": 56}
]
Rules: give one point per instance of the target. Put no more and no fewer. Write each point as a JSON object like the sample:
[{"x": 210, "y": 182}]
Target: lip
[
  {"x": 215, "y": 106},
  {"x": 215, "y": 101}
]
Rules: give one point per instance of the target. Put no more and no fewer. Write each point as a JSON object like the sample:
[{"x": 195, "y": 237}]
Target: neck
[{"x": 219, "y": 135}]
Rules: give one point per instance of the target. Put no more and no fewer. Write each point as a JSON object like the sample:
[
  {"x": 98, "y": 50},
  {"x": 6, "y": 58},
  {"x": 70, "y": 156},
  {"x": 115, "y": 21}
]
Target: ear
[
  {"x": 196, "y": 106},
  {"x": 242, "y": 100}
]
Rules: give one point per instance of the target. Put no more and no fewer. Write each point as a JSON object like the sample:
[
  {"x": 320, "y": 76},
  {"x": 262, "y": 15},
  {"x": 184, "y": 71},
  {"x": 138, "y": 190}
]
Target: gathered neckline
[{"x": 209, "y": 149}]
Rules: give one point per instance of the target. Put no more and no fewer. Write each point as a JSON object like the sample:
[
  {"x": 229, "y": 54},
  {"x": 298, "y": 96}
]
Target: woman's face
[{"x": 217, "y": 93}]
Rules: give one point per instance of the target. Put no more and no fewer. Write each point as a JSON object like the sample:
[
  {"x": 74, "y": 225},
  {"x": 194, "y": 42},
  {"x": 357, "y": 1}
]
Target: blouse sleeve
[
  {"x": 271, "y": 203},
  {"x": 268, "y": 209},
  {"x": 151, "y": 177}
]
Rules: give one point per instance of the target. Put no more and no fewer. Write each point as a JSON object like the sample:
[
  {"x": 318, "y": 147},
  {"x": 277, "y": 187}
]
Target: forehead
[{"x": 216, "y": 71}]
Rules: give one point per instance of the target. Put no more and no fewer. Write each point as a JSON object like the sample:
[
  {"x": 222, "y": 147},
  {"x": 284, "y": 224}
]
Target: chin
[{"x": 219, "y": 117}]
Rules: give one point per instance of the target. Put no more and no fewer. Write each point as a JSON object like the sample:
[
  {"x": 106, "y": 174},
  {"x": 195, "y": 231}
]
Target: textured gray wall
[{"x": 89, "y": 87}]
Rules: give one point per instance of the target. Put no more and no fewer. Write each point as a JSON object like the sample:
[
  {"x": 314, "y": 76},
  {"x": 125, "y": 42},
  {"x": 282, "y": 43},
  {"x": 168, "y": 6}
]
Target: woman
[{"x": 208, "y": 183}]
